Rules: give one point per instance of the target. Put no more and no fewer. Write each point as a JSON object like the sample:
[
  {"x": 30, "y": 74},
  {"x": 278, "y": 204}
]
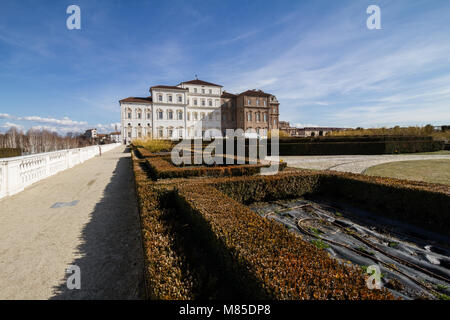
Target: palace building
[{"x": 195, "y": 108}]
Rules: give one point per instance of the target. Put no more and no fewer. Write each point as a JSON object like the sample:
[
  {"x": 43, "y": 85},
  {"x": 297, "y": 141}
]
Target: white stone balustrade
[{"x": 19, "y": 172}]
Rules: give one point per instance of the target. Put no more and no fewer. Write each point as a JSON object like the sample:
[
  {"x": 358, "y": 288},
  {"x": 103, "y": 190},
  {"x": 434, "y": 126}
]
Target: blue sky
[{"x": 317, "y": 57}]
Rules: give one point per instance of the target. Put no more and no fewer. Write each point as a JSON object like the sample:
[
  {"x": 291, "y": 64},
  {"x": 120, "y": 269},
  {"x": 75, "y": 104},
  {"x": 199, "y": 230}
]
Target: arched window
[{"x": 160, "y": 132}]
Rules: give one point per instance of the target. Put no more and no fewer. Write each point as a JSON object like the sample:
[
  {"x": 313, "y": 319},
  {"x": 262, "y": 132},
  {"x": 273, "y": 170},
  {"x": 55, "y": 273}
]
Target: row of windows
[
  {"x": 258, "y": 102},
  {"x": 170, "y": 98},
  {"x": 203, "y": 102},
  {"x": 257, "y": 117},
  {"x": 203, "y": 91},
  {"x": 170, "y": 115}
]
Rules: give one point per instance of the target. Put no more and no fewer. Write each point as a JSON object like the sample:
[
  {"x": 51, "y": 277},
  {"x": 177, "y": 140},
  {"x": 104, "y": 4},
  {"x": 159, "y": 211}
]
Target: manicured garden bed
[{"x": 212, "y": 237}]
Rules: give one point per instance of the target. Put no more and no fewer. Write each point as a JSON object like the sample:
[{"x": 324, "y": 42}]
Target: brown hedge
[
  {"x": 162, "y": 168},
  {"x": 423, "y": 204},
  {"x": 267, "y": 259},
  {"x": 164, "y": 276}
]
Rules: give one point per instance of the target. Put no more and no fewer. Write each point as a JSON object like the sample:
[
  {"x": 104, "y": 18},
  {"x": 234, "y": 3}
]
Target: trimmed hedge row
[
  {"x": 366, "y": 148},
  {"x": 162, "y": 168},
  {"x": 423, "y": 204},
  {"x": 354, "y": 139},
  {"x": 10, "y": 152},
  {"x": 164, "y": 275},
  {"x": 268, "y": 261}
]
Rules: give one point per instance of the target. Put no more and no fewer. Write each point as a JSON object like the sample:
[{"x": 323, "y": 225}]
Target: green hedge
[
  {"x": 10, "y": 152},
  {"x": 423, "y": 204},
  {"x": 357, "y": 147}
]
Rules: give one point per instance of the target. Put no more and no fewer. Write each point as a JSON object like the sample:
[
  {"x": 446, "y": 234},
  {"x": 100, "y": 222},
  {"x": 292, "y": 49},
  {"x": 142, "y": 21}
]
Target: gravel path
[
  {"x": 351, "y": 163},
  {"x": 85, "y": 216}
]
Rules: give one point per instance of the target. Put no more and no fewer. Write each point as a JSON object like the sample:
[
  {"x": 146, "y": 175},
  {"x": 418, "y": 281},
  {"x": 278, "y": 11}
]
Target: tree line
[{"x": 38, "y": 141}]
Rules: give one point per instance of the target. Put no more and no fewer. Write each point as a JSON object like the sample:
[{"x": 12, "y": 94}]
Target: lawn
[{"x": 434, "y": 171}]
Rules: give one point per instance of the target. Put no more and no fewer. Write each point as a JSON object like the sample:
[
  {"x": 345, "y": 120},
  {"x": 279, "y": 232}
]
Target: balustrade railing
[{"x": 19, "y": 172}]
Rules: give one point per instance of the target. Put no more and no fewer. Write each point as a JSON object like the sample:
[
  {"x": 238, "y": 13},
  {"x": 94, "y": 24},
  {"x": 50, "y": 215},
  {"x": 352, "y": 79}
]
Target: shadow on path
[{"x": 111, "y": 258}]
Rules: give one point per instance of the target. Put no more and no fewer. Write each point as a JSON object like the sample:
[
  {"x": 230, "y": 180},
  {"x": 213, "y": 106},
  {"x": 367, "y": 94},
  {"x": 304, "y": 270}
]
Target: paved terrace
[
  {"x": 351, "y": 163},
  {"x": 85, "y": 216}
]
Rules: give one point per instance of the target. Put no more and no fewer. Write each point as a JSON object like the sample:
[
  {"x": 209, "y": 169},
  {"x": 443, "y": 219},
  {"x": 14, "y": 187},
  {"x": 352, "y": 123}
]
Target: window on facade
[
  {"x": 188, "y": 116},
  {"x": 160, "y": 133},
  {"x": 195, "y": 90},
  {"x": 258, "y": 117},
  {"x": 129, "y": 115},
  {"x": 180, "y": 115},
  {"x": 210, "y": 116},
  {"x": 195, "y": 102},
  {"x": 160, "y": 98},
  {"x": 169, "y": 133},
  {"x": 265, "y": 117},
  {"x": 139, "y": 115},
  {"x": 203, "y": 102},
  {"x": 180, "y": 99},
  {"x": 249, "y": 102},
  {"x": 149, "y": 115},
  {"x": 170, "y": 98},
  {"x": 265, "y": 103},
  {"x": 257, "y": 103},
  {"x": 160, "y": 114},
  {"x": 170, "y": 115},
  {"x": 210, "y": 103},
  {"x": 180, "y": 133},
  {"x": 203, "y": 90},
  {"x": 129, "y": 134},
  {"x": 202, "y": 116},
  {"x": 195, "y": 116},
  {"x": 249, "y": 116},
  {"x": 210, "y": 91}
]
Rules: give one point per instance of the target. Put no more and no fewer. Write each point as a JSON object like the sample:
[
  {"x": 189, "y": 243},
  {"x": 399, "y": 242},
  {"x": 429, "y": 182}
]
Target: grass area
[
  {"x": 433, "y": 171},
  {"x": 153, "y": 145}
]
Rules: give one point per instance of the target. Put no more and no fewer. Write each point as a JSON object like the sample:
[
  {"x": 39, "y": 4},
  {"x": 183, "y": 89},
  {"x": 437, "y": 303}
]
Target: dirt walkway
[
  {"x": 351, "y": 163},
  {"x": 85, "y": 216}
]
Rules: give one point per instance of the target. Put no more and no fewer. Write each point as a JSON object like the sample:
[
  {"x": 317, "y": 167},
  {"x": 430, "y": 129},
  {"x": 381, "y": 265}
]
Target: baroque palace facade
[{"x": 196, "y": 107}]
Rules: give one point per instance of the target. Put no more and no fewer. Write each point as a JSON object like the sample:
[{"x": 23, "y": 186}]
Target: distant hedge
[
  {"x": 327, "y": 147},
  {"x": 10, "y": 152}
]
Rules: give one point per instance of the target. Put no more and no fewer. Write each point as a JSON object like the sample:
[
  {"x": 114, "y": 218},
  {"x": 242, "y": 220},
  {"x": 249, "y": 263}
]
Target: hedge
[
  {"x": 162, "y": 168},
  {"x": 423, "y": 204},
  {"x": 365, "y": 148},
  {"x": 10, "y": 152},
  {"x": 266, "y": 259},
  {"x": 164, "y": 268}
]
